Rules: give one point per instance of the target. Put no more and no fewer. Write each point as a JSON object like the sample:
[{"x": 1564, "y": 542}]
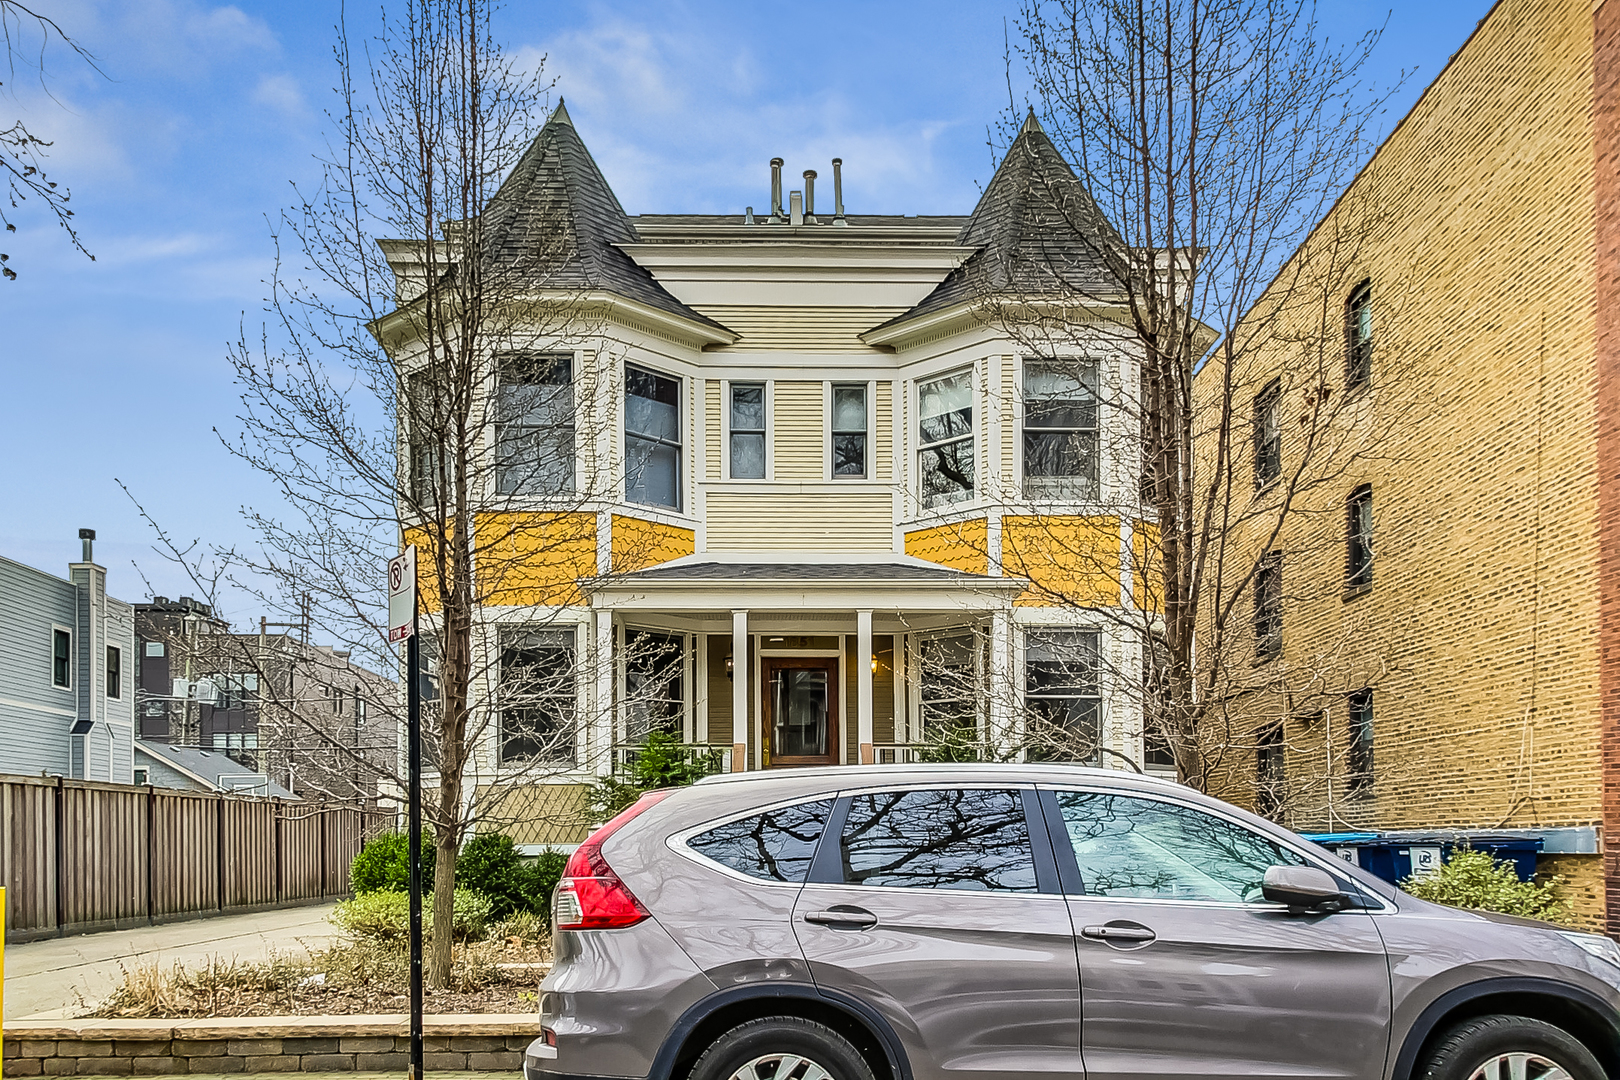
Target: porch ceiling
[{"x": 836, "y": 587}]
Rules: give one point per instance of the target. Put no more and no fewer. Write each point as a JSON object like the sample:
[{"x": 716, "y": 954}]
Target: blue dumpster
[{"x": 1395, "y": 855}]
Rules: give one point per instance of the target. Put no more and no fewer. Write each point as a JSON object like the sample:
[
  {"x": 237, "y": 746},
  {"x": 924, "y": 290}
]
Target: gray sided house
[{"x": 67, "y": 663}]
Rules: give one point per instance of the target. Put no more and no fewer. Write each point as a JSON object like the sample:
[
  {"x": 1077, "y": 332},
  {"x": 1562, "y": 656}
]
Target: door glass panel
[
  {"x": 799, "y": 712},
  {"x": 776, "y": 845},
  {"x": 1145, "y": 848},
  {"x": 974, "y": 839}
]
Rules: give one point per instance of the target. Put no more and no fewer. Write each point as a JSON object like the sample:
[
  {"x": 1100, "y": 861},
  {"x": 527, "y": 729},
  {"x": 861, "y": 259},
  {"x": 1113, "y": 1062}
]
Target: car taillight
[{"x": 590, "y": 895}]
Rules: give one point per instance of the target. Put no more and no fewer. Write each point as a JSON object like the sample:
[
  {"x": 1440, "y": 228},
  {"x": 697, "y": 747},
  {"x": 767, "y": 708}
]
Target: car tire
[
  {"x": 1468, "y": 1051},
  {"x": 759, "y": 1049}
]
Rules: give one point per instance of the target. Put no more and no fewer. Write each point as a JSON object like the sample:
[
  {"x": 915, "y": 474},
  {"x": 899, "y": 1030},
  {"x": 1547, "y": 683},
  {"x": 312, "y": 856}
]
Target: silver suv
[{"x": 987, "y": 922}]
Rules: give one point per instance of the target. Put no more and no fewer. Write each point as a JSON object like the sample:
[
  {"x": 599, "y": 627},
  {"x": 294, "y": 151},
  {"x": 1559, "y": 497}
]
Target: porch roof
[{"x": 826, "y": 586}]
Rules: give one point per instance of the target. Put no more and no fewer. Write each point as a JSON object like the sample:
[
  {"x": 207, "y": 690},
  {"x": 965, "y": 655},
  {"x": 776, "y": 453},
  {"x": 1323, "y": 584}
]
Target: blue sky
[{"x": 116, "y": 369}]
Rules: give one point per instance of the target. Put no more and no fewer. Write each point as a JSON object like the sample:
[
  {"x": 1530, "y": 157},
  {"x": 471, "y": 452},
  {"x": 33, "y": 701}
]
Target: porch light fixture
[
  {"x": 874, "y": 663},
  {"x": 728, "y": 667}
]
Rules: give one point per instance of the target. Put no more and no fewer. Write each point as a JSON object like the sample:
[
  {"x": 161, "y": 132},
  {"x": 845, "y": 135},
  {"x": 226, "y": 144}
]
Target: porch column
[
  {"x": 863, "y": 684},
  {"x": 1002, "y": 691},
  {"x": 741, "y": 729},
  {"x": 603, "y": 723}
]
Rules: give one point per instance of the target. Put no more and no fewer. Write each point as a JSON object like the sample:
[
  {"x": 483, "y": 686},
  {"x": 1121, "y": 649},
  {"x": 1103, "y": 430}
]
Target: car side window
[
  {"x": 774, "y": 846},
  {"x": 939, "y": 839},
  {"x": 1144, "y": 848}
]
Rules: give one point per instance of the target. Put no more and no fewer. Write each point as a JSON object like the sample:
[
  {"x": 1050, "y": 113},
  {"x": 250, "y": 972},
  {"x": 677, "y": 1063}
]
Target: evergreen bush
[
  {"x": 662, "y": 761},
  {"x": 384, "y": 864},
  {"x": 384, "y": 915}
]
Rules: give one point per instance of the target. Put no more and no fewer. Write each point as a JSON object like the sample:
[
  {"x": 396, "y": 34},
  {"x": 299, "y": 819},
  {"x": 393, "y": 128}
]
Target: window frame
[
  {"x": 679, "y": 446},
  {"x": 1268, "y": 604},
  {"x": 830, "y": 430},
  {"x": 571, "y": 697},
  {"x": 1033, "y": 632},
  {"x": 570, "y": 385},
  {"x": 975, "y": 426},
  {"x": 1271, "y": 748},
  {"x": 72, "y": 638},
  {"x": 1358, "y": 348},
  {"x": 767, "y": 433},
  {"x": 1358, "y": 540},
  {"x": 1266, "y": 461},
  {"x": 113, "y": 679},
  {"x": 1021, "y": 443},
  {"x": 1361, "y": 754},
  {"x": 916, "y": 674}
]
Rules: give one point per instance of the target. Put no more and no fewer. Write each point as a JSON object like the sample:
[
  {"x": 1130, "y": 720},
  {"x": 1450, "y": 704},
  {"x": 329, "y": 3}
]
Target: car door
[
  {"x": 1186, "y": 971},
  {"x": 940, "y": 908}
]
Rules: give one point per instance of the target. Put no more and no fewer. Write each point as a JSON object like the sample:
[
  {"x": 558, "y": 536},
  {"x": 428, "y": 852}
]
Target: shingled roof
[
  {"x": 1038, "y": 231},
  {"x": 558, "y": 186}
]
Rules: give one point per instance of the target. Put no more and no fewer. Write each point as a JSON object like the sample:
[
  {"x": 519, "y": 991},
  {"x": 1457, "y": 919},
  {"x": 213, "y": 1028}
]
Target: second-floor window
[
  {"x": 1358, "y": 560},
  {"x": 1267, "y": 434},
  {"x": 747, "y": 447},
  {"x": 945, "y": 439},
  {"x": 652, "y": 438},
  {"x": 1060, "y": 429},
  {"x": 1358, "y": 336},
  {"x": 1268, "y": 606},
  {"x": 61, "y": 657},
  {"x": 534, "y": 425},
  {"x": 1361, "y": 741},
  {"x": 849, "y": 431},
  {"x": 115, "y": 671}
]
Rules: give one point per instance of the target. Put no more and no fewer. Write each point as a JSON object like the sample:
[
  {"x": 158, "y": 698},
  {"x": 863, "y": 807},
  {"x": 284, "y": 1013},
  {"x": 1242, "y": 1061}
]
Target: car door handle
[
  {"x": 842, "y": 918},
  {"x": 1124, "y": 933}
]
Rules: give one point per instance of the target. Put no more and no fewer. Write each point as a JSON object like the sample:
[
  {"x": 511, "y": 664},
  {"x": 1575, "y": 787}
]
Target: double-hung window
[
  {"x": 654, "y": 683},
  {"x": 534, "y": 425},
  {"x": 849, "y": 431},
  {"x": 1358, "y": 558},
  {"x": 747, "y": 434},
  {"x": 945, "y": 439},
  {"x": 1267, "y": 434},
  {"x": 537, "y": 695},
  {"x": 115, "y": 672},
  {"x": 1063, "y": 694},
  {"x": 1060, "y": 429},
  {"x": 948, "y": 691},
  {"x": 61, "y": 658},
  {"x": 426, "y": 407},
  {"x": 652, "y": 438}
]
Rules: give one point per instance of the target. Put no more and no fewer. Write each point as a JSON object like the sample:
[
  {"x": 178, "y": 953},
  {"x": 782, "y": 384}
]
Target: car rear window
[
  {"x": 774, "y": 846},
  {"x": 948, "y": 839}
]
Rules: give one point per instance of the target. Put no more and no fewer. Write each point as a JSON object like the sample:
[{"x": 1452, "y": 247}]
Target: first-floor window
[
  {"x": 1063, "y": 695},
  {"x": 652, "y": 438},
  {"x": 1060, "y": 430},
  {"x": 61, "y": 654},
  {"x": 849, "y": 432},
  {"x": 1271, "y": 773},
  {"x": 654, "y": 681},
  {"x": 948, "y": 694},
  {"x": 537, "y": 695},
  {"x": 1361, "y": 741},
  {"x": 115, "y": 671},
  {"x": 945, "y": 439}
]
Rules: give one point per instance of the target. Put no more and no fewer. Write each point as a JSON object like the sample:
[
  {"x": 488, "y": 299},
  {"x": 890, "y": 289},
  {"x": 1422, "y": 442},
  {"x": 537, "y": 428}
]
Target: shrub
[
  {"x": 1472, "y": 879},
  {"x": 544, "y": 873},
  {"x": 386, "y": 916},
  {"x": 662, "y": 761},
  {"x": 490, "y": 864},
  {"x": 385, "y": 864}
]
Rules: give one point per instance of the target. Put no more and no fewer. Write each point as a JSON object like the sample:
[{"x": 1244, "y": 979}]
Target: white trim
[
  {"x": 54, "y": 710},
  {"x": 50, "y": 667}
]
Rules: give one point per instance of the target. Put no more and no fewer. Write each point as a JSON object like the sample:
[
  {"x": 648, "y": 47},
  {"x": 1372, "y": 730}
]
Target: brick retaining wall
[{"x": 261, "y": 1044}]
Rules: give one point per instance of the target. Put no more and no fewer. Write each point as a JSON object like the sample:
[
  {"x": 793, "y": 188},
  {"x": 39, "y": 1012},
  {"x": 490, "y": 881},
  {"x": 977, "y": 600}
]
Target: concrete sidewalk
[{"x": 49, "y": 979}]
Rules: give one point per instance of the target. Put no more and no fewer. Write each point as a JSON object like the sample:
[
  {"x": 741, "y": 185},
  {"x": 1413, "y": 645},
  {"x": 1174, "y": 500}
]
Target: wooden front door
[{"x": 801, "y": 710}]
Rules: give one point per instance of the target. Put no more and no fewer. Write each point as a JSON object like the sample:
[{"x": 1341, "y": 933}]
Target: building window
[
  {"x": 849, "y": 432},
  {"x": 948, "y": 695},
  {"x": 537, "y": 696},
  {"x": 154, "y": 648},
  {"x": 1063, "y": 695},
  {"x": 1271, "y": 773},
  {"x": 140, "y": 777},
  {"x": 1267, "y": 435},
  {"x": 424, "y": 405},
  {"x": 652, "y": 438},
  {"x": 115, "y": 672},
  {"x": 534, "y": 426},
  {"x": 1268, "y": 606},
  {"x": 654, "y": 681},
  {"x": 1060, "y": 430},
  {"x": 61, "y": 658},
  {"x": 1358, "y": 561},
  {"x": 747, "y": 445},
  {"x": 1361, "y": 742},
  {"x": 945, "y": 439},
  {"x": 230, "y": 691},
  {"x": 1358, "y": 336}
]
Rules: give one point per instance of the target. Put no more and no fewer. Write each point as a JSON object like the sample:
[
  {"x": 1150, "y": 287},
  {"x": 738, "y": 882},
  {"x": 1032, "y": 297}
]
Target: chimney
[
  {"x": 795, "y": 208},
  {"x": 776, "y": 190},
  {"x": 810, "y": 197},
  {"x": 89, "y": 538},
  {"x": 838, "y": 192}
]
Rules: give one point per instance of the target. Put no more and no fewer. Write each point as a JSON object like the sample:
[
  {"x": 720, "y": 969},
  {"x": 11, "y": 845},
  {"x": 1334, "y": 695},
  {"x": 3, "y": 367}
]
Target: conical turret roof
[{"x": 556, "y": 218}]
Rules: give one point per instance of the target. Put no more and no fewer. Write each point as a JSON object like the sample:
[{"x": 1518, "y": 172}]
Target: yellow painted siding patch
[
  {"x": 962, "y": 545},
  {"x": 533, "y": 558},
  {"x": 1068, "y": 559},
  {"x": 638, "y": 544}
]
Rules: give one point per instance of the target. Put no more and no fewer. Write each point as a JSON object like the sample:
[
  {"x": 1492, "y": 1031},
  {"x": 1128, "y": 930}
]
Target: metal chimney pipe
[
  {"x": 838, "y": 192},
  {"x": 810, "y": 197},
  {"x": 776, "y": 189},
  {"x": 89, "y": 538},
  {"x": 795, "y": 208},
  {"x": 748, "y": 215}
]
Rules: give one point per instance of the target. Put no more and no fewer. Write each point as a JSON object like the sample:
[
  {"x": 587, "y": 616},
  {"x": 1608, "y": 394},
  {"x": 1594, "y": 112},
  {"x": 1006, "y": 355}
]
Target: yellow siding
[
  {"x": 532, "y": 558},
  {"x": 711, "y": 432},
  {"x": 638, "y": 544},
  {"x": 799, "y": 329},
  {"x": 801, "y": 521},
  {"x": 963, "y": 545},
  {"x": 427, "y": 578},
  {"x": 1069, "y": 560},
  {"x": 883, "y": 431},
  {"x": 800, "y": 443}
]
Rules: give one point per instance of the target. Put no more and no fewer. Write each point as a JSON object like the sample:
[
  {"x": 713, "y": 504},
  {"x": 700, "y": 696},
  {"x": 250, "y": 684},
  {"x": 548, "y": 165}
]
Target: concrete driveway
[{"x": 55, "y": 978}]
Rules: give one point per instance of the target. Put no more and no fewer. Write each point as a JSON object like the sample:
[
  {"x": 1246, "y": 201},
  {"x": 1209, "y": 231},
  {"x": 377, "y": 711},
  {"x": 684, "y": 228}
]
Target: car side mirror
[{"x": 1301, "y": 887}]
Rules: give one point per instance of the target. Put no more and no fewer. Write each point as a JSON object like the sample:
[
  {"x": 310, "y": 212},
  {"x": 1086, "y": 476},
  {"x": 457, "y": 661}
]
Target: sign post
[{"x": 402, "y": 608}]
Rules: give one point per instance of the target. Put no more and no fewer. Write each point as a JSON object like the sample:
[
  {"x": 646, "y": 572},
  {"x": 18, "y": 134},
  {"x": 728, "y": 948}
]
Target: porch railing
[
  {"x": 897, "y": 753},
  {"x": 625, "y": 754}
]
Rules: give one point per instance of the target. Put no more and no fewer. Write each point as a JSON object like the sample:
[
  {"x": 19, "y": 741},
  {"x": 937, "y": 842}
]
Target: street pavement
[{"x": 56, "y": 978}]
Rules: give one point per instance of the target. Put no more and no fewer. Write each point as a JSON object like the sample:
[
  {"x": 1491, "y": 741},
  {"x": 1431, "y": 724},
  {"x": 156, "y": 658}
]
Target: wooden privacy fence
[{"x": 77, "y": 856}]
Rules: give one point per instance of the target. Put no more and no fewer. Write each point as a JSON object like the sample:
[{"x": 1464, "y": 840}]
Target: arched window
[{"x": 1358, "y": 336}]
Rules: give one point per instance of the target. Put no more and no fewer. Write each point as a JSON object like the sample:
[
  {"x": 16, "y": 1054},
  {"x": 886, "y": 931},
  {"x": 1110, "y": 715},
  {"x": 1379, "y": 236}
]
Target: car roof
[{"x": 885, "y": 774}]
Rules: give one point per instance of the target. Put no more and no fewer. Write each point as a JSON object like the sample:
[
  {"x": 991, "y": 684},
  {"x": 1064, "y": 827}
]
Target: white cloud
[{"x": 280, "y": 92}]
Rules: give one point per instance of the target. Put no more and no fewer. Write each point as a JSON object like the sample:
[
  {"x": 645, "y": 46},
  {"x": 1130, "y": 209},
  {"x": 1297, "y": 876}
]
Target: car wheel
[
  {"x": 1510, "y": 1048},
  {"x": 781, "y": 1048}
]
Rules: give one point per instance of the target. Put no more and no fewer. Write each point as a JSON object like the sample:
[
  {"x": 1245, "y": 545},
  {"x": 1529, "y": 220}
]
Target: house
[
  {"x": 1438, "y": 635},
  {"x": 787, "y": 486},
  {"x": 167, "y": 765},
  {"x": 67, "y": 699}
]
